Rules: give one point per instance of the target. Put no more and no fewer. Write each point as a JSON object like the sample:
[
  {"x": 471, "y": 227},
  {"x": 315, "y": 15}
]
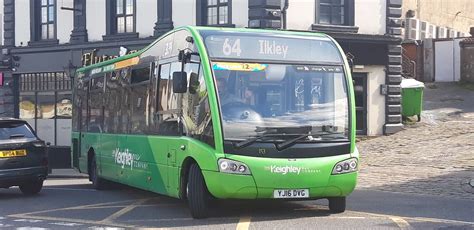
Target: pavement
[
  {"x": 432, "y": 157},
  {"x": 66, "y": 173}
]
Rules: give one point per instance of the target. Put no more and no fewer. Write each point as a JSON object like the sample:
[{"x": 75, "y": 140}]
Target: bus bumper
[
  {"x": 315, "y": 175},
  {"x": 230, "y": 186}
]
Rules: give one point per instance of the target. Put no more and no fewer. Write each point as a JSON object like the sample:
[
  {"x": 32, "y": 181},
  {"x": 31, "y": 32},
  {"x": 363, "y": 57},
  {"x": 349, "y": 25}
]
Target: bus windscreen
[{"x": 270, "y": 47}]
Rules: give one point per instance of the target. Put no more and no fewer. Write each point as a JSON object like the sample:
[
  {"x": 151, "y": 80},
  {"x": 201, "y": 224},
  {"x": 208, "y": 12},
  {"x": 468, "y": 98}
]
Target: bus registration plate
[{"x": 291, "y": 193}]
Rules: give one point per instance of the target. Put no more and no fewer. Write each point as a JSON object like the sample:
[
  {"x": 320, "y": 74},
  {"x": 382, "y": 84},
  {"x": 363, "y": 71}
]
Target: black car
[{"x": 23, "y": 157}]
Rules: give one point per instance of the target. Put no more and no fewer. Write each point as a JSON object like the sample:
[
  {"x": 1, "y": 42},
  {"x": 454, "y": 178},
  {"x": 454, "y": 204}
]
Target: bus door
[
  {"x": 83, "y": 122},
  {"x": 168, "y": 125}
]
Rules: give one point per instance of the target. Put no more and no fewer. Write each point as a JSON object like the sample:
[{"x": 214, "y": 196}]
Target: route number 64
[{"x": 229, "y": 49}]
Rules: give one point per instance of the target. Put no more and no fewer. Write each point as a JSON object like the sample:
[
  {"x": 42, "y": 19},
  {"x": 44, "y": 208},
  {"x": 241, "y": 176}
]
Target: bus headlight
[
  {"x": 345, "y": 166},
  {"x": 234, "y": 167}
]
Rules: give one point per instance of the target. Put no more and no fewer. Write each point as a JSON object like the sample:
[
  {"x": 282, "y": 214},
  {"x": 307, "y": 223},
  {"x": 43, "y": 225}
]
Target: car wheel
[
  {"x": 32, "y": 188},
  {"x": 337, "y": 204},
  {"x": 97, "y": 182},
  {"x": 197, "y": 193}
]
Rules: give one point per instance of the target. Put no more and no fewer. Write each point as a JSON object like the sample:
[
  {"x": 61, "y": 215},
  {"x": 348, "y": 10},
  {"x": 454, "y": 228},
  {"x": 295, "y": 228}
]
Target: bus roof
[{"x": 199, "y": 28}]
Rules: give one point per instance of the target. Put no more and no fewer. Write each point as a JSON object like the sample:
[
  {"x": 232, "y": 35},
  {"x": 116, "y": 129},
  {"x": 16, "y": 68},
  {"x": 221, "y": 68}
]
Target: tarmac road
[{"x": 73, "y": 204}]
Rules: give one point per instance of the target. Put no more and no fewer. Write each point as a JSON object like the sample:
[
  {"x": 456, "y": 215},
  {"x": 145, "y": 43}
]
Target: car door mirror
[{"x": 180, "y": 82}]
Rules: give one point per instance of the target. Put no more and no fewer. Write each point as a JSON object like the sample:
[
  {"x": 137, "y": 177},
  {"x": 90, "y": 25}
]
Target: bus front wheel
[
  {"x": 337, "y": 204},
  {"x": 197, "y": 193}
]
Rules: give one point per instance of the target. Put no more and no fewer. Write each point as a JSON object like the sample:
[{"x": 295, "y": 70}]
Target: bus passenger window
[{"x": 168, "y": 101}]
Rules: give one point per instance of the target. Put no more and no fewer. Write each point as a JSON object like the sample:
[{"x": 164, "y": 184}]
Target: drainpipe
[{"x": 283, "y": 13}]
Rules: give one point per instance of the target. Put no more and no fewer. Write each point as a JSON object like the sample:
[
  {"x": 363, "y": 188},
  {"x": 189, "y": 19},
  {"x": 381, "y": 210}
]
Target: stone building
[
  {"x": 453, "y": 18},
  {"x": 44, "y": 40}
]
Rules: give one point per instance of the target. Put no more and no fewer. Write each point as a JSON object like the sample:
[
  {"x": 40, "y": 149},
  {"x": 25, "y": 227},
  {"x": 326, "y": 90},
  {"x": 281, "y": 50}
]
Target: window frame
[
  {"x": 202, "y": 13},
  {"x": 36, "y": 23},
  {"x": 349, "y": 17},
  {"x": 112, "y": 21},
  {"x": 48, "y": 20},
  {"x": 124, "y": 15}
]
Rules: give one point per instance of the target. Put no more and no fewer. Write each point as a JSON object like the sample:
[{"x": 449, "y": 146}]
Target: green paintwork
[{"x": 159, "y": 160}]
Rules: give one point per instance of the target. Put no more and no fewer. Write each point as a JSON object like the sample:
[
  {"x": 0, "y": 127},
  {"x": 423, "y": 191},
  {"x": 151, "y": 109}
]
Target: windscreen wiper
[
  {"x": 252, "y": 140},
  {"x": 289, "y": 143}
]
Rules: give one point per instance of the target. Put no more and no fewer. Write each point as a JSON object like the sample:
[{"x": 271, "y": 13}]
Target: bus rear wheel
[
  {"x": 337, "y": 204},
  {"x": 197, "y": 193}
]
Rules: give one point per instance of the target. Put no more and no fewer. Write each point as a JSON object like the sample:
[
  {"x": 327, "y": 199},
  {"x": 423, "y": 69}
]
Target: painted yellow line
[
  {"x": 244, "y": 223},
  {"x": 421, "y": 219},
  {"x": 81, "y": 221},
  {"x": 402, "y": 224},
  {"x": 398, "y": 218},
  {"x": 104, "y": 205},
  {"x": 122, "y": 211}
]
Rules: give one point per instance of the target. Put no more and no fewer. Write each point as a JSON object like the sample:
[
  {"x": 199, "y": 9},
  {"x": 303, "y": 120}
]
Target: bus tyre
[
  {"x": 337, "y": 204},
  {"x": 97, "y": 182},
  {"x": 197, "y": 193},
  {"x": 32, "y": 188}
]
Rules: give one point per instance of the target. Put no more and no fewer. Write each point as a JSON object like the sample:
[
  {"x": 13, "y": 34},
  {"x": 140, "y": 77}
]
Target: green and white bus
[{"x": 221, "y": 113}]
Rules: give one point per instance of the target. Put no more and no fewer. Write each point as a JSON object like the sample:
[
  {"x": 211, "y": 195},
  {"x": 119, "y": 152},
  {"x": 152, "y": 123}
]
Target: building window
[
  {"x": 335, "y": 12},
  {"x": 43, "y": 21},
  {"x": 48, "y": 15},
  {"x": 125, "y": 16},
  {"x": 335, "y": 16},
  {"x": 332, "y": 12},
  {"x": 121, "y": 19},
  {"x": 214, "y": 12},
  {"x": 217, "y": 12}
]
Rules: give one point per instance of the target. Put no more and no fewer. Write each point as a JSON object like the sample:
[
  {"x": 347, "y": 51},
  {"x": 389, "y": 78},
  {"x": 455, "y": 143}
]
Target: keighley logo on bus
[
  {"x": 283, "y": 170},
  {"x": 128, "y": 159}
]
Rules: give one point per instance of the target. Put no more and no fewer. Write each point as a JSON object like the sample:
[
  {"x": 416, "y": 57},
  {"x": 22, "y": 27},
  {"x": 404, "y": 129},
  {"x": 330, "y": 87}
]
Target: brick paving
[{"x": 433, "y": 157}]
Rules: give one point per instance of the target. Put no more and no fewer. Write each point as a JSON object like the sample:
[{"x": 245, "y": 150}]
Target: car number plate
[
  {"x": 12, "y": 153},
  {"x": 291, "y": 193}
]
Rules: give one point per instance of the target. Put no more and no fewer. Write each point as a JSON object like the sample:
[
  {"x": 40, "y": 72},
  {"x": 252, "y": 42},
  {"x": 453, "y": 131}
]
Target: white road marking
[
  {"x": 30, "y": 228},
  {"x": 402, "y": 224},
  {"x": 104, "y": 228},
  {"x": 28, "y": 220},
  {"x": 67, "y": 224},
  {"x": 244, "y": 223}
]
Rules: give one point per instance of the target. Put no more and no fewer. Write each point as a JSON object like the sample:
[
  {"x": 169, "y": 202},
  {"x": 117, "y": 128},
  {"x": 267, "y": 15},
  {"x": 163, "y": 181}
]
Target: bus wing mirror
[
  {"x": 180, "y": 82},
  {"x": 194, "y": 58},
  {"x": 193, "y": 83}
]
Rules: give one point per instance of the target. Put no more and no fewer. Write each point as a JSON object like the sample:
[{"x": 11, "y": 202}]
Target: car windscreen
[{"x": 11, "y": 130}]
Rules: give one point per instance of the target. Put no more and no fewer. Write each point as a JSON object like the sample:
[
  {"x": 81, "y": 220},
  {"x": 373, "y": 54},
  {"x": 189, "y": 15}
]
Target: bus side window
[
  {"x": 167, "y": 114},
  {"x": 112, "y": 103},
  {"x": 139, "y": 99},
  {"x": 96, "y": 104},
  {"x": 124, "y": 122}
]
